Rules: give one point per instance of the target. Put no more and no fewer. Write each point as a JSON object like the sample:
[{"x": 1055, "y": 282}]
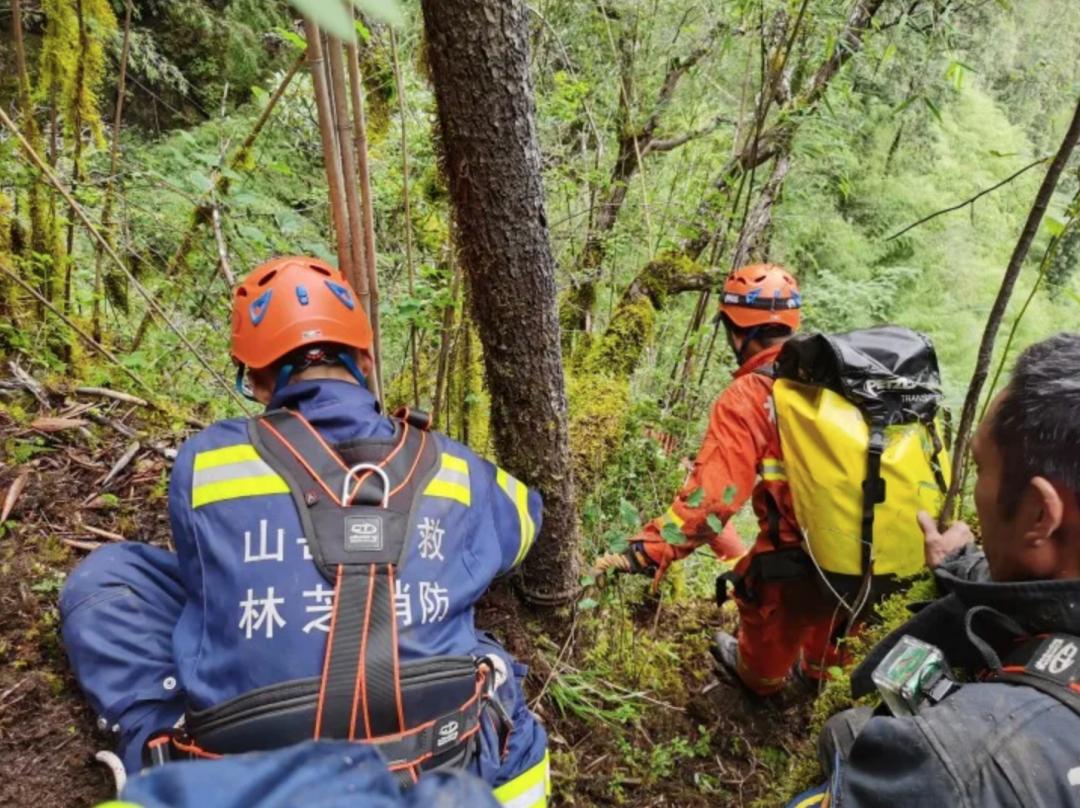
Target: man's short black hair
[
  {"x": 765, "y": 334},
  {"x": 1037, "y": 423}
]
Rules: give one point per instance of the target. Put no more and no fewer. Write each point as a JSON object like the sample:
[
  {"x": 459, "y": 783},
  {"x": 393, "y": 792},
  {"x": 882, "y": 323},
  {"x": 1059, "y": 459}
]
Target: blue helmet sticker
[
  {"x": 258, "y": 307},
  {"x": 342, "y": 293},
  {"x": 302, "y": 295},
  {"x": 752, "y": 295}
]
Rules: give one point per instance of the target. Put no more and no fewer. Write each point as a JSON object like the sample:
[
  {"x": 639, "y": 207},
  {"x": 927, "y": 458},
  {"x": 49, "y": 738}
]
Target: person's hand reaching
[{"x": 940, "y": 545}]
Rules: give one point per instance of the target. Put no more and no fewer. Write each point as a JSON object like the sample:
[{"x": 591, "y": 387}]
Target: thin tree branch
[
  {"x": 668, "y": 144},
  {"x": 997, "y": 312},
  {"x": 970, "y": 200},
  {"x": 81, "y": 214},
  {"x": 93, "y": 343}
]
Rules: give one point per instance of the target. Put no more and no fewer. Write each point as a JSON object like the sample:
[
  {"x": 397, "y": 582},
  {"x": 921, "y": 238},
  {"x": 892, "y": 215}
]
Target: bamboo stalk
[
  {"x": 331, "y": 154},
  {"x": 444, "y": 346},
  {"x": 114, "y": 162},
  {"x": 356, "y": 83},
  {"x": 410, "y": 266},
  {"x": 343, "y": 131}
]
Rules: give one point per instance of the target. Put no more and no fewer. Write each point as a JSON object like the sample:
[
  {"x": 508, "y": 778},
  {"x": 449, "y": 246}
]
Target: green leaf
[
  {"x": 586, "y": 603},
  {"x": 628, "y": 514},
  {"x": 715, "y": 523},
  {"x": 729, "y": 494},
  {"x": 362, "y": 31},
  {"x": 996, "y": 153},
  {"x": 387, "y": 11},
  {"x": 672, "y": 535},
  {"x": 835, "y": 672},
  {"x": 587, "y": 580},
  {"x": 292, "y": 38},
  {"x": 199, "y": 180},
  {"x": 695, "y": 498},
  {"x": 330, "y": 15},
  {"x": 1053, "y": 226},
  {"x": 930, "y": 105},
  {"x": 618, "y": 544},
  {"x": 889, "y": 53}
]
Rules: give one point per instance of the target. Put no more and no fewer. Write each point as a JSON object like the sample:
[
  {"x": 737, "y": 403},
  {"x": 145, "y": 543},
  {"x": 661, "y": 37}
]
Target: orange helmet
[
  {"x": 761, "y": 294},
  {"x": 287, "y": 303}
]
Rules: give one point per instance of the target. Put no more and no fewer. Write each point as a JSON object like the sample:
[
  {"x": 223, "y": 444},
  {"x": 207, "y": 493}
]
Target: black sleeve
[
  {"x": 968, "y": 564},
  {"x": 892, "y": 764}
]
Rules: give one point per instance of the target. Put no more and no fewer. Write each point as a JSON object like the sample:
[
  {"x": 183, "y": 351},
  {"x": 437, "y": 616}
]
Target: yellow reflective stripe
[
  {"x": 224, "y": 455},
  {"x": 773, "y": 469},
  {"x": 529, "y": 789},
  {"x": 674, "y": 518},
  {"x": 812, "y": 800},
  {"x": 518, "y": 493},
  {"x": 452, "y": 480},
  {"x": 118, "y": 804},
  {"x": 452, "y": 463},
  {"x": 240, "y": 487}
]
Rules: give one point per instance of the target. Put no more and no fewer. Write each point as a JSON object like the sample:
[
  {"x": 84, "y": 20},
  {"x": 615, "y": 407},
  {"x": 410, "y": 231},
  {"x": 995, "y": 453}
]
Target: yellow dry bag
[{"x": 858, "y": 415}]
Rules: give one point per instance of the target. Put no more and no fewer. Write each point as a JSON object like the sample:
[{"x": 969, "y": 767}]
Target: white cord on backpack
[{"x": 840, "y": 598}]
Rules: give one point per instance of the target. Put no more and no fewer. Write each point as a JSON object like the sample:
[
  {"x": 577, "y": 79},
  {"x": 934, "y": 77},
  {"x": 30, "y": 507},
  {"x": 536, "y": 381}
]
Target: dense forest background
[{"x": 676, "y": 139}]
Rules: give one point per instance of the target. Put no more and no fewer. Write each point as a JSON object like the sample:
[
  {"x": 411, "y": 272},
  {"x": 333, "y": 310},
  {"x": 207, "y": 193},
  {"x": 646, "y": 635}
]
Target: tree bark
[
  {"x": 997, "y": 312},
  {"x": 479, "y": 56}
]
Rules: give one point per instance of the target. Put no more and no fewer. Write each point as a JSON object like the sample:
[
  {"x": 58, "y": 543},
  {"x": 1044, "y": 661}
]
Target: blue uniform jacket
[{"x": 247, "y": 607}]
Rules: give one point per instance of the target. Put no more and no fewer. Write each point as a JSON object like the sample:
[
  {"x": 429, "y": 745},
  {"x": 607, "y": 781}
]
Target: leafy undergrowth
[{"x": 634, "y": 713}]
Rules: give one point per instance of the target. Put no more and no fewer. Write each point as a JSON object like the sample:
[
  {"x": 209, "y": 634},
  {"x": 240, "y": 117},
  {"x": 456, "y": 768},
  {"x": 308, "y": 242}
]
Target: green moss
[{"x": 598, "y": 405}]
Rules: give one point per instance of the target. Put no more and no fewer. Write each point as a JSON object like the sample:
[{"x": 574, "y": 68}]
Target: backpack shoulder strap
[{"x": 1049, "y": 663}]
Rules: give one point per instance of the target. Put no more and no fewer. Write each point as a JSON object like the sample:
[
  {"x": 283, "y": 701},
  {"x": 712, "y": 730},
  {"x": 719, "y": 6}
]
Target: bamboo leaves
[{"x": 336, "y": 19}]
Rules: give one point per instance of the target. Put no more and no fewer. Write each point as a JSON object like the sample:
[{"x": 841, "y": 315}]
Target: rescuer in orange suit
[{"x": 781, "y": 623}]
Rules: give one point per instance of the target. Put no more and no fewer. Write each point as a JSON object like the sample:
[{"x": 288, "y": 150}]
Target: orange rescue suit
[{"x": 740, "y": 458}]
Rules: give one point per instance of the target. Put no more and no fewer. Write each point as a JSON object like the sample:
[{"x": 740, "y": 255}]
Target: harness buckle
[{"x": 495, "y": 675}]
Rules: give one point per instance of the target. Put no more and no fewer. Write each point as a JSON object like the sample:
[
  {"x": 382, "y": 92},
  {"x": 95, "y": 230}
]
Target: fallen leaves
[
  {"x": 13, "y": 493},
  {"x": 55, "y": 424}
]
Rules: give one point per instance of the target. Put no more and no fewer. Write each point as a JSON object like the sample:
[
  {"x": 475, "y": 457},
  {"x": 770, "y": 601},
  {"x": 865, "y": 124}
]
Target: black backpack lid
[{"x": 890, "y": 373}]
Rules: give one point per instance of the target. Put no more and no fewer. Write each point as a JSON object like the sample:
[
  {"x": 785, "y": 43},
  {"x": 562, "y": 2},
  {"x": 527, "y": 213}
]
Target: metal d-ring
[{"x": 366, "y": 467}]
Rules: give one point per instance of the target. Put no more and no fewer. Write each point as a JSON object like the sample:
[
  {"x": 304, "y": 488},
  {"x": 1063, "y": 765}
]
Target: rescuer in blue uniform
[{"x": 240, "y": 637}]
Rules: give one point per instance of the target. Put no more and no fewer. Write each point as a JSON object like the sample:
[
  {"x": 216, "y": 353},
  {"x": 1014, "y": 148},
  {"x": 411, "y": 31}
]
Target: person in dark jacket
[{"x": 1010, "y": 734}]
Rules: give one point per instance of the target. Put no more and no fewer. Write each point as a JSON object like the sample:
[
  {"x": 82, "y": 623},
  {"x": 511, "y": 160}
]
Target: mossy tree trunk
[{"x": 479, "y": 56}]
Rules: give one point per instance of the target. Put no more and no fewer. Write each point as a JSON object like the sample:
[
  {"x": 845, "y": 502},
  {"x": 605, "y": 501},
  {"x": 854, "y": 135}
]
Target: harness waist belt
[{"x": 280, "y": 715}]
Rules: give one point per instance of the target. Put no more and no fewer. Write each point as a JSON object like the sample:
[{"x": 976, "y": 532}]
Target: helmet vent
[
  {"x": 759, "y": 279},
  {"x": 321, "y": 270},
  {"x": 241, "y": 292},
  {"x": 269, "y": 276}
]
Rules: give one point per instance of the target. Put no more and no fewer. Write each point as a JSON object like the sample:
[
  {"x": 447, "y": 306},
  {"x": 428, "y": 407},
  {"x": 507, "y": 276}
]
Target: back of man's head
[
  {"x": 1037, "y": 421},
  {"x": 1028, "y": 454}
]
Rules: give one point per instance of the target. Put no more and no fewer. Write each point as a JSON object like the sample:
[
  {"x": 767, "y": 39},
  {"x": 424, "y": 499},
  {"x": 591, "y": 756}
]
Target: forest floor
[{"x": 634, "y": 714}]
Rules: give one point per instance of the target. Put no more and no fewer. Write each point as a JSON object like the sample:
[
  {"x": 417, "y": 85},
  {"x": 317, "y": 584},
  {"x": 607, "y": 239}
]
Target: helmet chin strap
[
  {"x": 242, "y": 387},
  {"x": 284, "y": 375},
  {"x": 750, "y": 336},
  {"x": 353, "y": 368}
]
